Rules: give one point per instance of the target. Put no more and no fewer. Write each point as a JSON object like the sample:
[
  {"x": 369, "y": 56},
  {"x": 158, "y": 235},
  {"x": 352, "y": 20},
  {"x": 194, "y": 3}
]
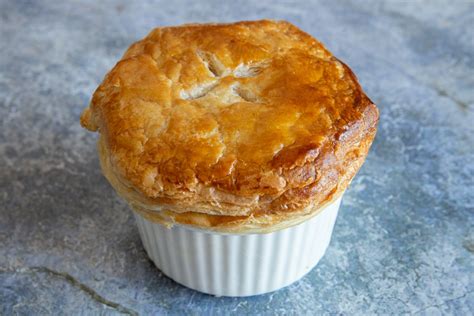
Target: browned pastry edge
[{"x": 261, "y": 223}]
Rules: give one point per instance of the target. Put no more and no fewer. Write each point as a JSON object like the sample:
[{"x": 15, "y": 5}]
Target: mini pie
[{"x": 243, "y": 127}]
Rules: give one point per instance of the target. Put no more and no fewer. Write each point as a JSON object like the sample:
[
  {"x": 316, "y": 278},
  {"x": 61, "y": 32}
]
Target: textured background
[{"x": 404, "y": 240}]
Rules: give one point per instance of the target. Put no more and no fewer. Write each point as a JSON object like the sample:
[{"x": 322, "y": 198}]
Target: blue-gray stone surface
[{"x": 404, "y": 239}]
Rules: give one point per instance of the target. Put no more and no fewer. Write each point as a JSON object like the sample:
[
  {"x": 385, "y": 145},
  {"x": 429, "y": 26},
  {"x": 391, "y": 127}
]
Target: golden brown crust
[
  {"x": 248, "y": 119},
  {"x": 253, "y": 223}
]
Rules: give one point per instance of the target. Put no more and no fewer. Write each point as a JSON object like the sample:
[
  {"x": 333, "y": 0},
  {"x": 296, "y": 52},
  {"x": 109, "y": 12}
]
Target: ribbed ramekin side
[{"x": 238, "y": 265}]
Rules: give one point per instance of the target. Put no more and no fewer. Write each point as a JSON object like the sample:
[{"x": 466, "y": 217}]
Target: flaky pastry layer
[
  {"x": 222, "y": 126},
  {"x": 261, "y": 223}
]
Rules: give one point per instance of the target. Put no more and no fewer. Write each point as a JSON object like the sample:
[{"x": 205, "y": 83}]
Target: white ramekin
[{"x": 224, "y": 264}]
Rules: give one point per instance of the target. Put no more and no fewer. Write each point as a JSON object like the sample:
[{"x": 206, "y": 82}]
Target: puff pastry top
[{"x": 241, "y": 119}]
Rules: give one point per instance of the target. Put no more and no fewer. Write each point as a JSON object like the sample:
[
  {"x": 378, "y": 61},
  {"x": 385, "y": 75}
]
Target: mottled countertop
[{"x": 404, "y": 239}]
